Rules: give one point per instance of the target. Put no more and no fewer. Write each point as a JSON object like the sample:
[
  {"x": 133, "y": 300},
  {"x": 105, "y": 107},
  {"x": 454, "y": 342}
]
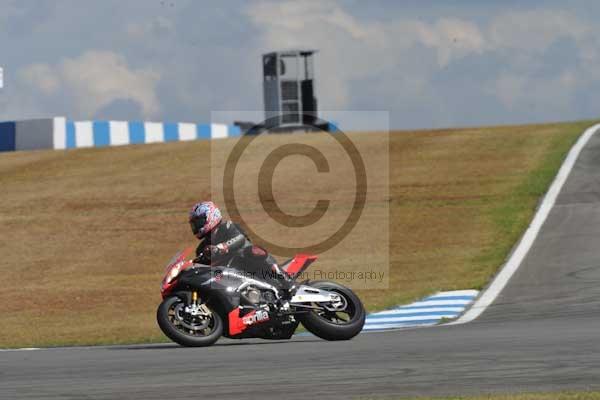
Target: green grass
[
  {"x": 512, "y": 216},
  {"x": 487, "y": 184}
]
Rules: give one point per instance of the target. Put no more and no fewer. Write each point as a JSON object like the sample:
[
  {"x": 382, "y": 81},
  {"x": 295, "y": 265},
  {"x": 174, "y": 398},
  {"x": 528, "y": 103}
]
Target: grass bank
[{"x": 86, "y": 233}]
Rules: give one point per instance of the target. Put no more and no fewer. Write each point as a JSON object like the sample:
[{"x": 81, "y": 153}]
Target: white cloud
[
  {"x": 534, "y": 30},
  {"x": 551, "y": 94},
  {"x": 148, "y": 29},
  {"x": 485, "y": 64},
  {"x": 41, "y": 76},
  {"x": 94, "y": 80},
  {"x": 354, "y": 49},
  {"x": 509, "y": 89},
  {"x": 396, "y": 54},
  {"x": 452, "y": 38},
  {"x": 523, "y": 37}
]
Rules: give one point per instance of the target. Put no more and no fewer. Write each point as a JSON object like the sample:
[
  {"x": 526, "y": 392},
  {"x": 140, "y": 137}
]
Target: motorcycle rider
[{"x": 221, "y": 241}]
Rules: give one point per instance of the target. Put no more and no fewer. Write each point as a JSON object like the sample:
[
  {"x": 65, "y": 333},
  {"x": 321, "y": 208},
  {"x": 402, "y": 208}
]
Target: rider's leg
[
  {"x": 268, "y": 270},
  {"x": 278, "y": 274}
]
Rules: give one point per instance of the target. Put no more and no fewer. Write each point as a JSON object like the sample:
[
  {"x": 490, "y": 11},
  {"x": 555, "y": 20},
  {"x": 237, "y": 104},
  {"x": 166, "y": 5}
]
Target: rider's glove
[{"x": 218, "y": 250}]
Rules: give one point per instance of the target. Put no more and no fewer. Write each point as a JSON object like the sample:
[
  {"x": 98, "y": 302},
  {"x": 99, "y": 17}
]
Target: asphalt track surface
[{"x": 541, "y": 334}]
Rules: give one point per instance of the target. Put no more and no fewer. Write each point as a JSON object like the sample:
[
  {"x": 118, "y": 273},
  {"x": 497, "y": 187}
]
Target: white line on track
[
  {"x": 22, "y": 349},
  {"x": 516, "y": 258}
]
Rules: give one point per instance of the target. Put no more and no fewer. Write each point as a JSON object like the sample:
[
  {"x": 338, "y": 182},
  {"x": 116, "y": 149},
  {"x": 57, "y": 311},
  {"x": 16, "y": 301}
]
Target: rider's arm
[
  {"x": 201, "y": 256},
  {"x": 235, "y": 240},
  {"x": 199, "y": 249},
  {"x": 233, "y": 244}
]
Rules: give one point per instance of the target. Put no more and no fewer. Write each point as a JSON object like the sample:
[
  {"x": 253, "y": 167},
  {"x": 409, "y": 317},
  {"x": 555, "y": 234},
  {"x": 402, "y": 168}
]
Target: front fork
[
  {"x": 196, "y": 308},
  {"x": 193, "y": 308}
]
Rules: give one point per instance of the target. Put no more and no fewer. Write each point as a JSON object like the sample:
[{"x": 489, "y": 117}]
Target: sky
[{"x": 429, "y": 64}]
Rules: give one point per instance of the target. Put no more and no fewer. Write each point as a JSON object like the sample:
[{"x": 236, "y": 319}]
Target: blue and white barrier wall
[
  {"x": 60, "y": 133},
  {"x": 47, "y": 133},
  {"x": 80, "y": 134}
]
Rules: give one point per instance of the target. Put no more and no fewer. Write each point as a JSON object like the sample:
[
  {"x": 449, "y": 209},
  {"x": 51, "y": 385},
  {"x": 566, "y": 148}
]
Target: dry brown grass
[{"x": 85, "y": 234}]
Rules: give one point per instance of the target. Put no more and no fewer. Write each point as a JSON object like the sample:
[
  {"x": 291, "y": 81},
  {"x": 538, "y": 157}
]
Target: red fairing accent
[
  {"x": 166, "y": 288},
  {"x": 186, "y": 253},
  {"x": 239, "y": 324},
  {"x": 236, "y": 324},
  {"x": 299, "y": 261}
]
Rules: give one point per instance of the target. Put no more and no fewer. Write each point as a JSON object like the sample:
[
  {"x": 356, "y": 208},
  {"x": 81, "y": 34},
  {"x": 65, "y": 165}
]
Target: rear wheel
[
  {"x": 189, "y": 325},
  {"x": 341, "y": 320}
]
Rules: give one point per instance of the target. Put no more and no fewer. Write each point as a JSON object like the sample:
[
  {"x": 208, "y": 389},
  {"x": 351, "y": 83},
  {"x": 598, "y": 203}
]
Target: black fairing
[{"x": 211, "y": 285}]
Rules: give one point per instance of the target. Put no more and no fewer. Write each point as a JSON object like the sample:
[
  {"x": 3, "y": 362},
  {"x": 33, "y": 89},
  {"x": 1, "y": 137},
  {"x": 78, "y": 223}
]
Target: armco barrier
[{"x": 60, "y": 133}]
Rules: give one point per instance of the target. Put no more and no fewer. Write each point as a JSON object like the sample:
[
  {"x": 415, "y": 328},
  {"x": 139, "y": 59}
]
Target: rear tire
[
  {"x": 167, "y": 322},
  {"x": 327, "y": 329}
]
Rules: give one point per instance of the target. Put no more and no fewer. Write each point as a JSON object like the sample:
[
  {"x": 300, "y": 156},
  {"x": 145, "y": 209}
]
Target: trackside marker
[
  {"x": 427, "y": 312},
  {"x": 515, "y": 260}
]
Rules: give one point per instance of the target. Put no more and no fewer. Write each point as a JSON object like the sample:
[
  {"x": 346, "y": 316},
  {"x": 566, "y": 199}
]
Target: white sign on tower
[{"x": 1, "y": 77}]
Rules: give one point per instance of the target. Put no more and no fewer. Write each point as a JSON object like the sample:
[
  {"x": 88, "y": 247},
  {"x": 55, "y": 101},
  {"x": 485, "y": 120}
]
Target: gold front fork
[{"x": 194, "y": 297}]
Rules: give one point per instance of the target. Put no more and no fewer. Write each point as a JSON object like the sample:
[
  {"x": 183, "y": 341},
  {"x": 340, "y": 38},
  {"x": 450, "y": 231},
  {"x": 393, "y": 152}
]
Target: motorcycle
[{"x": 201, "y": 303}]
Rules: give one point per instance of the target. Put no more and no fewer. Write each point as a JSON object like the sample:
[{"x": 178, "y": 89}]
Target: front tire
[
  {"x": 185, "y": 329},
  {"x": 328, "y": 324}
]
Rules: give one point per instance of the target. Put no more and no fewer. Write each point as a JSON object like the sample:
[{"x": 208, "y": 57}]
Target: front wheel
[
  {"x": 335, "y": 321},
  {"x": 189, "y": 325}
]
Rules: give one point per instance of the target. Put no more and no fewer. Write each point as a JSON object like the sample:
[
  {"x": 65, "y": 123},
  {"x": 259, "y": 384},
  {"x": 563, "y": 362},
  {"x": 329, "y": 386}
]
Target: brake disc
[{"x": 179, "y": 314}]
